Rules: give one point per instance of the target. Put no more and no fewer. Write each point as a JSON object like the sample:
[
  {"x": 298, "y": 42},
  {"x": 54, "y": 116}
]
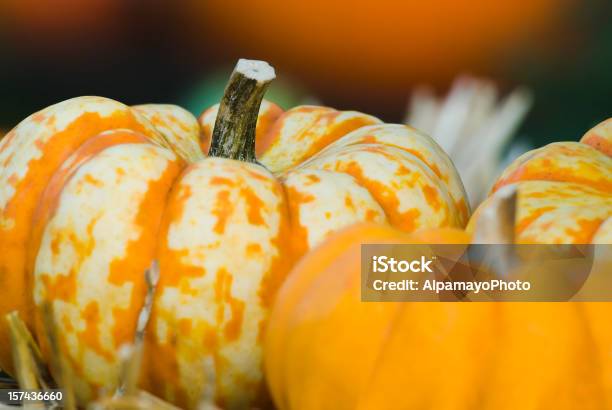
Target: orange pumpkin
[
  {"x": 564, "y": 191},
  {"x": 326, "y": 349},
  {"x": 92, "y": 191}
]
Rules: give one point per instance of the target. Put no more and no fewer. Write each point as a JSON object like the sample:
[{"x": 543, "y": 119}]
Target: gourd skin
[
  {"x": 600, "y": 137},
  {"x": 92, "y": 191},
  {"x": 564, "y": 191},
  {"x": 29, "y": 156},
  {"x": 326, "y": 349}
]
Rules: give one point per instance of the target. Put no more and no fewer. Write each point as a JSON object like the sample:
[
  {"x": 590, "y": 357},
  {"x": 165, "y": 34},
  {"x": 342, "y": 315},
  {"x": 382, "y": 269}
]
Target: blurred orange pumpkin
[
  {"x": 326, "y": 349},
  {"x": 386, "y": 43}
]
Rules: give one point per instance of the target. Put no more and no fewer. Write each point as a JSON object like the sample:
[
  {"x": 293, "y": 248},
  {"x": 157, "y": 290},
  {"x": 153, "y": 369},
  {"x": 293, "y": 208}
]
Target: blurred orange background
[{"x": 356, "y": 54}]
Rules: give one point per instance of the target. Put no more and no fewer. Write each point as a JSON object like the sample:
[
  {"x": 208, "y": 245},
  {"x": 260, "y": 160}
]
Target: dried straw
[{"x": 473, "y": 125}]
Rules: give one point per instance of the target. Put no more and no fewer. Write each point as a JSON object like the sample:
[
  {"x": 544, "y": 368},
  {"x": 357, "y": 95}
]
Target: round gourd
[
  {"x": 93, "y": 191},
  {"x": 326, "y": 349},
  {"x": 564, "y": 191}
]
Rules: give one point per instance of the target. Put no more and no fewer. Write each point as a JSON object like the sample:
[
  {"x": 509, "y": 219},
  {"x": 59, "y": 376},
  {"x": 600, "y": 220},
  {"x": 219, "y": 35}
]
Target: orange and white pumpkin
[
  {"x": 564, "y": 191},
  {"x": 93, "y": 191}
]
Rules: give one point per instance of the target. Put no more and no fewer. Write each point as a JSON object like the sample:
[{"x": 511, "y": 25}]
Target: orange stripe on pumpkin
[
  {"x": 20, "y": 209},
  {"x": 223, "y": 296},
  {"x": 600, "y": 137},
  {"x": 172, "y": 268},
  {"x": 223, "y": 210},
  {"x": 140, "y": 253},
  {"x": 91, "y": 335},
  {"x": 587, "y": 228},
  {"x": 283, "y": 260},
  {"x": 254, "y": 206},
  {"x": 50, "y": 197},
  {"x": 560, "y": 162},
  {"x": 299, "y": 233},
  {"x": 524, "y": 223},
  {"x": 387, "y": 198},
  {"x": 337, "y": 131}
]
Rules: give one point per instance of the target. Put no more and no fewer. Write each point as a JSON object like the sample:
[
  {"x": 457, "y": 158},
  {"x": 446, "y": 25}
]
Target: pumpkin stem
[
  {"x": 497, "y": 221},
  {"x": 496, "y": 225},
  {"x": 234, "y": 132}
]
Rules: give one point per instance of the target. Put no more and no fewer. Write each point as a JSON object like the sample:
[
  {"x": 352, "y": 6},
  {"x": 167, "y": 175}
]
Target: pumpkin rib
[
  {"x": 178, "y": 126},
  {"x": 413, "y": 143},
  {"x": 399, "y": 184},
  {"x": 49, "y": 199},
  {"x": 355, "y": 121},
  {"x": 555, "y": 212},
  {"x": 101, "y": 253},
  {"x": 391, "y": 326},
  {"x": 587, "y": 331},
  {"x": 322, "y": 201},
  {"x": 40, "y": 144},
  {"x": 561, "y": 162},
  {"x": 204, "y": 263},
  {"x": 299, "y": 132},
  {"x": 367, "y": 187}
]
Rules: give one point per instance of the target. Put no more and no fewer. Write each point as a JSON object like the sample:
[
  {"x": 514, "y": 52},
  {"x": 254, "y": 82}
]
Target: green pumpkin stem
[{"x": 234, "y": 133}]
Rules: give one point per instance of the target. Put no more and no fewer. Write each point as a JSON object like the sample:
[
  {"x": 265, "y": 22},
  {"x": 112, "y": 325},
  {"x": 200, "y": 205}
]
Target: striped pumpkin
[
  {"x": 92, "y": 191},
  {"x": 564, "y": 191}
]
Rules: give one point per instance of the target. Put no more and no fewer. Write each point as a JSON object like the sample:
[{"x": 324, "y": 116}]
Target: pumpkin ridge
[
  {"x": 178, "y": 127},
  {"x": 587, "y": 330},
  {"x": 97, "y": 259},
  {"x": 49, "y": 198},
  {"x": 300, "y": 134},
  {"x": 42, "y": 148},
  {"x": 385, "y": 195},
  {"x": 399, "y": 310},
  {"x": 88, "y": 150}
]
